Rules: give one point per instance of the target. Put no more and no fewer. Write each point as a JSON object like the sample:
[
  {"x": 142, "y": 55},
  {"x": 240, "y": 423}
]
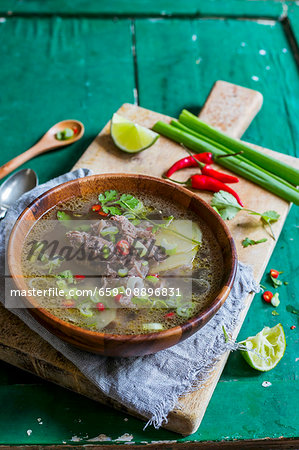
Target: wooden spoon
[{"x": 46, "y": 143}]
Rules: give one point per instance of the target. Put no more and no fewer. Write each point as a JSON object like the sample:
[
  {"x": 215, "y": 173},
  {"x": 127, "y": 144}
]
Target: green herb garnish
[
  {"x": 108, "y": 196},
  {"x": 228, "y": 207},
  {"x": 64, "y": 135},
  {"x": 226, "y": 336},
  {"x": 110, "y": 202},
  {"x": 113, "y": 210},
  {"x": 247, "y": 242},
  {"x": 61, "y": 215},
  {"x": 276, "y": 282}
]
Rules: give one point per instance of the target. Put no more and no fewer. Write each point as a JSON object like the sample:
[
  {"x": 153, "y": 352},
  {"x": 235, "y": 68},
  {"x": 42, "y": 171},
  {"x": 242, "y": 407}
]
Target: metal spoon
[
  {"x": 16, "y": 185},
  {"x": 46, "y": 143}
]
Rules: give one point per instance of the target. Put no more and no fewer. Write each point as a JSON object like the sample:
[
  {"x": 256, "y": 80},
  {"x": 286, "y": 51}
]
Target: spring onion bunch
[{"x": 263, "y": 170}]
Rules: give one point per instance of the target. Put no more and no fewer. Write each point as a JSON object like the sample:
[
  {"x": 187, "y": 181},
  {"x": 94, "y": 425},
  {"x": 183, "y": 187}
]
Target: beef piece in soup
[{"x": 122, "y": 266}]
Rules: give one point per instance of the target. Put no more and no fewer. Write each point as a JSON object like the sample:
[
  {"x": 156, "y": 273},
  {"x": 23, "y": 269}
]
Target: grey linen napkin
[{"x": 150, "y": 385}]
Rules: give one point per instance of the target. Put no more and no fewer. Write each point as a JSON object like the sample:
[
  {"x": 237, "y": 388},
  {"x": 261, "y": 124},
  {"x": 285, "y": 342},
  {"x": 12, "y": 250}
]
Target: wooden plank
[
  {"x": 64, "y": 65},
  {"x": 238, "y": 113},
  {"x": 188, "y": 60},
  {"x": 103, "y": 157},
  {"x": 254, "y": 8}
]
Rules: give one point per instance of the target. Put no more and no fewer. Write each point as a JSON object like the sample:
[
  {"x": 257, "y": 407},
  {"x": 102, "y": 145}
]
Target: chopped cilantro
[
  {"x": 108, "y": 196},
  {"x": 246, "y": 242},
  {"x": 113, "y": 210}
]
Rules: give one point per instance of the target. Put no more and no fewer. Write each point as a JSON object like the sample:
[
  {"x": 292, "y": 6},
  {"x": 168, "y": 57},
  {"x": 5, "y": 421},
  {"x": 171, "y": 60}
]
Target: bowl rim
[{"x": 160, "y": 335}]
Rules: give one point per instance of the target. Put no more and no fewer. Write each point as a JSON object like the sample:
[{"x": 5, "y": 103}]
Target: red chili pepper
[
  {"x": 169, "y": 315},
  {"x": 293, "y": 327},
  {"x": 118, "y": 297},
  {"x": 79, "y": 277},
  {"x": 123, "y": 247},
  {"x": 274, "y": 273},
  {"x": 96, "y": 208},
  {"x": 154, "y": 275},
  {"x": 75, "y": 130},
  {"x": 267, "y": 296},
  {"x": 211, "y": 184},
  {"x": 100, "y": 306},
  {"x": 190, "y": 161},
  {"x": 224, "y": 177}
]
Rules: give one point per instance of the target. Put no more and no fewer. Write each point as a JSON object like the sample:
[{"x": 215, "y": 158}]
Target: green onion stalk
[
  {"x": 236, "y": 164},
  {"x": 269, "y": 163},
  {"x": 239, "y": 155}
]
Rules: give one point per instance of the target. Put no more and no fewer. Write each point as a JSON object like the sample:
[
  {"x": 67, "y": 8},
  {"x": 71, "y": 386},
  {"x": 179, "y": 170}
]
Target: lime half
[
  {"x": 266, "y": 349},
  {"x": 129, "y": 136}
]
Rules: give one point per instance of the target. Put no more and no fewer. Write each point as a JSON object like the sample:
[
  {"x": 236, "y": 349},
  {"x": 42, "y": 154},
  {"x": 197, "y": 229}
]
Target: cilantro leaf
[
  {"x": 226, "y": 204},
  {"x": 267, "y": 218},
  {"x": 246, "y": 242},
  {"x": 270, "y": 216},
  {"x": 129, "y": 201},
  {"x": 108, "y": 196},
  {"x": 113, "y": 210}
]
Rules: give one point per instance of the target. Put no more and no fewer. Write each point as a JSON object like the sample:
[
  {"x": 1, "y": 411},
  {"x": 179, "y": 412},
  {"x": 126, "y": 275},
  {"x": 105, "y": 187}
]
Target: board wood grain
[{"x": 23, "y": 348}]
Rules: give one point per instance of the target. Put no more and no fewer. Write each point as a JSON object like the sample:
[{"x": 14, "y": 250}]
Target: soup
[{"x": 122, "y": 263}]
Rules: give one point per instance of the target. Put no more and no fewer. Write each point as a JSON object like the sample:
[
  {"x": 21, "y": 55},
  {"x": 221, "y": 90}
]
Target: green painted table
[{"x": 83, "y": 59}]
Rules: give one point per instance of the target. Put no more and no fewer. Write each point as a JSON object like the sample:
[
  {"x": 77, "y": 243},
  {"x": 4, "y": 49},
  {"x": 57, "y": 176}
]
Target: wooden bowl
[{"x": 122, "y": 345}]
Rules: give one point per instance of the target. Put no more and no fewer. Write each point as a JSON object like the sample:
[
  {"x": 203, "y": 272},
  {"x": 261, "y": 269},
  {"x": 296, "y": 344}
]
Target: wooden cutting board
[{"x": 230, "y": 108}]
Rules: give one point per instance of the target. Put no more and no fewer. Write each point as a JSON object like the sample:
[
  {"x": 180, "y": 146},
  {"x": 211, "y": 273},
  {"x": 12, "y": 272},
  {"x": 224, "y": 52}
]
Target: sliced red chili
[
  {"x": 79, "y": 277},
  {"x": 100, "y": 307},
  {"x": 293, "y": 327},
  {"x": 267, "y": 296},
  {"x": 123, "y": 247},
  {"x": 75, "y": 130},
  {"x": 154, "y": 275},
  {"x": 96, "y": 208},
  {"x": 274, "y": 273},
  {"x": 170, "y": 315},
  {"x": 118, "y": 297}
]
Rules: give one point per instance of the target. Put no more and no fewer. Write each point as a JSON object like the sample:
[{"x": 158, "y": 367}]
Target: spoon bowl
[
  {"x": 16, "y": 185},
  {"x": 50, "y": 136},
  {"x": 48, "y": 142}
]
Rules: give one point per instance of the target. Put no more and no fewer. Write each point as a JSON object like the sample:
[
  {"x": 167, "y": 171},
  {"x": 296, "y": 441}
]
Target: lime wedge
[
  {"x": 265, "y": 349},
  {"x": 129, "y": 136}
]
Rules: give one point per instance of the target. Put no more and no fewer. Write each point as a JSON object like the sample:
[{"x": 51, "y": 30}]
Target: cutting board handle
[{"x": 231, "y": 108}]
